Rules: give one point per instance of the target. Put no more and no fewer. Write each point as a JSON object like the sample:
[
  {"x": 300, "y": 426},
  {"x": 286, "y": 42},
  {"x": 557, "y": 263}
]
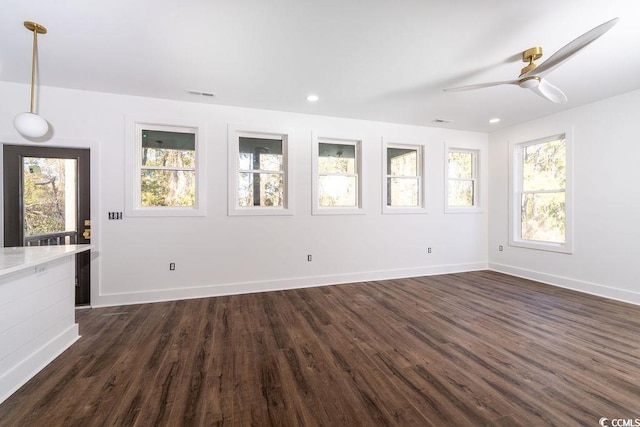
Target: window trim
[
  {"x": 476, "y": 177},
  {"x": 133, "y": 206},
  {"x": 515, "y": 185},
  {"x": 234, "y": 133},
  {"x": 422, "y": 187},
  {"x": 316, "y": 209}
]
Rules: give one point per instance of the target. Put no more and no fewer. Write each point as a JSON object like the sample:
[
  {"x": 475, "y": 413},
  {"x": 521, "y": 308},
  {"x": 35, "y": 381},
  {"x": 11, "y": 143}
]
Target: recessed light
[
  {"x": 441, "y": 121},
  {"x": 494, "y": 120},
  {"x": 312, "y": 98}
]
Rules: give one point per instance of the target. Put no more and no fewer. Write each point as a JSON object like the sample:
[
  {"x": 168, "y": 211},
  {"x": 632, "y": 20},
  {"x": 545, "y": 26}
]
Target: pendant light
[{"x": 30, "y": 124}]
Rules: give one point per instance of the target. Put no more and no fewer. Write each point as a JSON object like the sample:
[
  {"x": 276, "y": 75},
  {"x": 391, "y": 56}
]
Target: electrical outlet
[
  {"x": 428, "y": 250},
  {"x": 172, "y": 266},
  {"x": 500, "y": 248},
  {"x": 309, "y": 258}
]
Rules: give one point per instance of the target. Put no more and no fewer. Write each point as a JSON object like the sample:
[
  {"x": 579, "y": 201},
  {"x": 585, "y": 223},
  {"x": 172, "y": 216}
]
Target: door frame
[{"x": 12, "y": 203}]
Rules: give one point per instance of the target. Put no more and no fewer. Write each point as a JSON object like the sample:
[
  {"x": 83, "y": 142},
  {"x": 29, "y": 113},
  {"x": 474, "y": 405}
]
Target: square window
[{"x": 164, "y": 173}]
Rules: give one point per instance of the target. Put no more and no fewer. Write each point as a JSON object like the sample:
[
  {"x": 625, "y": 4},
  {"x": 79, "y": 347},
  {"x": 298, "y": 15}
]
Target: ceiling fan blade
[
  {"x": 481, "y": 85},
  {"x": 550, "y": 92},
  {"x": 571, "y": 49}
]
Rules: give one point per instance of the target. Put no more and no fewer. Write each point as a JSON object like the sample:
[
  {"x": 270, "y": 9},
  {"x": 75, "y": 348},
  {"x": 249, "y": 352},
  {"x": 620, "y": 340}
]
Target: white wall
[
  {"x": 218, "y": 254},
  {"x": 606, "y": 201}
]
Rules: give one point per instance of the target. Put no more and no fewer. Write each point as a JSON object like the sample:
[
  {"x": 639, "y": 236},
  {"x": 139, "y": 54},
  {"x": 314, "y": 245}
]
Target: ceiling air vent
[
  {"x": 201, "y": 93},
  {"x": 442, "y": 121}
]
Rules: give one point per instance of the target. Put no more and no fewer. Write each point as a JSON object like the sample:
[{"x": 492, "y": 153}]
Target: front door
[{"x": 47, "y": 202}]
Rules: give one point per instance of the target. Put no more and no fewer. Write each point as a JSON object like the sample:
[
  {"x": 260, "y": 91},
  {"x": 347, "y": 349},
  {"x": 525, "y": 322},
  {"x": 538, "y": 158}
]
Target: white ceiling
[{"x": 380, "y": 60}]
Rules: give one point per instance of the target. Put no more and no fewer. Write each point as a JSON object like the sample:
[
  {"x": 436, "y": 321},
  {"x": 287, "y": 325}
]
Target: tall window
[
  {"x": 258, "y": 168},
  {"x": 167, "y": 166},
  {"x": 462, "y": 180},
  {"x": 337, "y": 176},
  {"x": 261, "y": 172},
  {"x": 540, "y": 193},
  {"x": 403, "y": 187}
]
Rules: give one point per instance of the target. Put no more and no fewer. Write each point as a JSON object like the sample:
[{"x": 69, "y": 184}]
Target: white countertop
[{"x": 19, "y": 258}]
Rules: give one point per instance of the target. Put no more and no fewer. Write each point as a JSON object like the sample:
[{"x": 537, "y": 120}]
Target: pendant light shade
[{"x": 30, "y": 124}]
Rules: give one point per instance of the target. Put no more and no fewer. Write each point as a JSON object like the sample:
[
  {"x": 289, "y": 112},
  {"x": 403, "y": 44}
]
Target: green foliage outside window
[
  {"x": 261, "y": 172},
  {"x": 167, "y": 188},
  {"x": 43, "y": 196},
  {"x": 167, "y": 174},
  {"x": 543, "y": 191}
]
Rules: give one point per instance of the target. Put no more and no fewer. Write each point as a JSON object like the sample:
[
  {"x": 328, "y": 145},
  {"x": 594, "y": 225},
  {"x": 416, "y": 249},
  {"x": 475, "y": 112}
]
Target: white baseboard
[
  {"x": 107, "y": 300},
  {"x": 568, "y": 283},
  {"x": 12, "y": 380}
]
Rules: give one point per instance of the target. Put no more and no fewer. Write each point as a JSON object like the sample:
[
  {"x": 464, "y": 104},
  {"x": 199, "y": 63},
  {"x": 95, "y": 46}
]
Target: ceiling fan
[{"x": 531, "y": 76}]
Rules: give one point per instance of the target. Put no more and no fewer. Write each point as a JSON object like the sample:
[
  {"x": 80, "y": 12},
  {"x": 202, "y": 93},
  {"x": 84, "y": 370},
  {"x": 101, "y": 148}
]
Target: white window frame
[
  {"x": 515, "y": 203},
  {"x": 422, "y": 188},
  {"x": 476, "y": 174},
  {"x": 235, "y": 132},
  {"x": 133, "y": 160},
  {"x": 316, "y": 209}
]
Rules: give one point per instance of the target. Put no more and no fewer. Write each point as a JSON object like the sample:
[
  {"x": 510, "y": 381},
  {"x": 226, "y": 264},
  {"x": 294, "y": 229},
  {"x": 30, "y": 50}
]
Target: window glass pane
[
  {"x": 246, "y": 161},
  {"x": 49, "y": 195},
  {"x": 460, "y": 164},
  {"x": 167, "y": 188},
  {"x": 543, "y": 217},
  {"x": 336, "y": 190},
  {"x": 171, "y": 149},
  {"x": 260, "y": 154},
  {"x": 544, "y": 166},
  {"x": 336, "y": 158},
  {"x": 460, "y": 193},
  {"x": 260, "y": 189},
  {"x": 402, "y": 162},
  {"x": 402, "y": 192},
  {"x": 270, "y": 162}
]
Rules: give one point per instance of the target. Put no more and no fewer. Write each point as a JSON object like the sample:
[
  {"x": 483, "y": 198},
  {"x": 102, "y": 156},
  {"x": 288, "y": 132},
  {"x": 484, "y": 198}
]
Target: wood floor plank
[{"x": 477, "y": 348}]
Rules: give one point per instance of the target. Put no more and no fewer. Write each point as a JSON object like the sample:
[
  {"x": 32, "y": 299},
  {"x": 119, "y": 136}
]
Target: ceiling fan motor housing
[{"x": 531, "y": 55}]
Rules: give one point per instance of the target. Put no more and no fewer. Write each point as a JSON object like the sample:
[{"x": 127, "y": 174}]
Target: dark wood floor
[{"x": 477, "y": 348}]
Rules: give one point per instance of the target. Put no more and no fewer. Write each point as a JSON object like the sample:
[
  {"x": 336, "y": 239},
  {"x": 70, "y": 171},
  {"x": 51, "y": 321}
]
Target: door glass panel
[{"x": 49, "y": 201}]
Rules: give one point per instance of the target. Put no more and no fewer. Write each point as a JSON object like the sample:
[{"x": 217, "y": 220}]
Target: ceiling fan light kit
[
  {"x": 30, "y": 124},
  {"x": 530, "y": 82},
  {"x": 531, "y": 76}
]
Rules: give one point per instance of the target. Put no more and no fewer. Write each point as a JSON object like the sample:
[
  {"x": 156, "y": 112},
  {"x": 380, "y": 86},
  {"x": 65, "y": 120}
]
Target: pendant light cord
[{"x": 33, "y": 64}]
